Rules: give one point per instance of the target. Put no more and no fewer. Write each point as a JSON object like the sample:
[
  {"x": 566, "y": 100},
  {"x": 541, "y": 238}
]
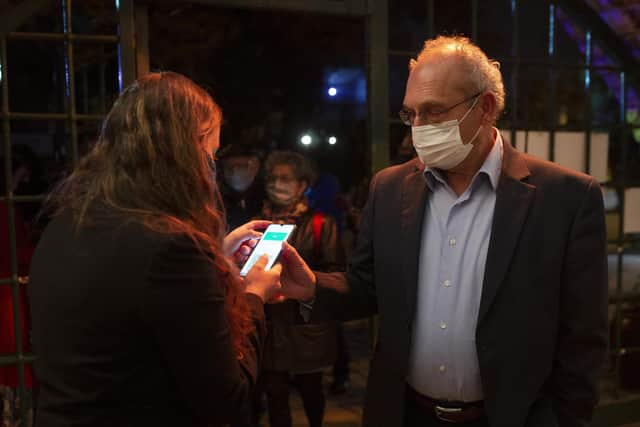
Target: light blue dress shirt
[{"x": 443, "y": 363}]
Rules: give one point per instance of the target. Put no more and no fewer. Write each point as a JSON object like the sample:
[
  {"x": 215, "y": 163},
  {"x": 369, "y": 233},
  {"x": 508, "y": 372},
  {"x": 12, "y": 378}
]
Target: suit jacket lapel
[
  {"x": 412, "y": 206},
  {"x": 513, "y": 198}
]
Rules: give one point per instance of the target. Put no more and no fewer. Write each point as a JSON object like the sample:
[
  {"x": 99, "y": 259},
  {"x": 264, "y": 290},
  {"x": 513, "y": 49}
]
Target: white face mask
[{"x": 440, "y": 145}]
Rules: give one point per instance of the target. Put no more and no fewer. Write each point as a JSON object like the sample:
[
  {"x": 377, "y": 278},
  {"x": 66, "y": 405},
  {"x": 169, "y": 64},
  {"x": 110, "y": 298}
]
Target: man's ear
[{"x": 489, "y": 104}]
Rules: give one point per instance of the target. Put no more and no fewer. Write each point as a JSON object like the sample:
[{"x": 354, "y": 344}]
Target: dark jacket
[
  {"x": 541, "y": 336},
  {"x": 242, "y": 207},
  {"x": 129, "y": 329},
  {"x": 291, "y": 344}
]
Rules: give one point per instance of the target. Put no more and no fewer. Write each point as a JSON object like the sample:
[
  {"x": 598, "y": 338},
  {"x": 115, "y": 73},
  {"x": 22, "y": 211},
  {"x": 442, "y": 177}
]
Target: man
[
  {"x": 242, "y": 190},
  {"x": 486, "y": 266}
]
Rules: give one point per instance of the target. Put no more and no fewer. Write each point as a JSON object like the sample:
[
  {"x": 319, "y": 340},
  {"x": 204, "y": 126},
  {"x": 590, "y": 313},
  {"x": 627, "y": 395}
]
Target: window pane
[
  {"x": 533, "y": 32},
  {"x": 533, "y": 104},
  {"x": 605, "y": 98},
  {"x": 571, "y": 99},
  {"x": 41, "y": 145},
  {"x": 407, "y": 25},
  {"x": 398, "y": 73},
  {"x": 94, "y": 17},
  {"x": 495, "y": 40},
  {"x": 36, "y": 74},
  {"x": 88, "y": 133},
  {"x": 571, "y": 40},
  {"x": 452, "y": 20},
  {"x": 96, "y": 76},
  {"x": 47, "y": 19},
  {"x": 505, "y": 120}
]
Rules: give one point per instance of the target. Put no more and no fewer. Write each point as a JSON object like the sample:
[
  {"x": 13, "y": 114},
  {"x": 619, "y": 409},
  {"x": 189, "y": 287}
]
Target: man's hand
[
  {"x": 298, "y": 281},
  {"x": 239, "y": 242}
]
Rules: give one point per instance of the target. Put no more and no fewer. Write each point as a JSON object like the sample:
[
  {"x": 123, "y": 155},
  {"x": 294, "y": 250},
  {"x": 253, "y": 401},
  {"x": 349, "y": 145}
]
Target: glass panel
[
  {"x": 605, "y": 102},
  {"x": 600, "y": 57},
  {"x": 504, "y": 121},
  {"x": 533, "y": 104},
  {"x": 47, "y": 19},
  {"x": 398, "y": 73},
  {"x": 273, "y": 72},
  {"x": 96, "y": 76},
  {"x": 36, "y": 74},
  {"x": 88, "y": 133},
  {"x": 452, "y": 20},
  {"x": 571, "y": 99},
  {"x": 408, "y": 25},
  {"x": 495, "y": 40},
  {"x": 94, "y": 17},
  {"x": 41, "y": 145},
  {"x": 533, "y": 32},
  {"x": 571, "y": 40}
]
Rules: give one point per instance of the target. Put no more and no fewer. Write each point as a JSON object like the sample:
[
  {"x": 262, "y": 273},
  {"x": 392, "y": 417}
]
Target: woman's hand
[
  {"x": 239, "y": 242},
  {"x": 298, "y": 281},
  {"x": 265, "y": 284}
]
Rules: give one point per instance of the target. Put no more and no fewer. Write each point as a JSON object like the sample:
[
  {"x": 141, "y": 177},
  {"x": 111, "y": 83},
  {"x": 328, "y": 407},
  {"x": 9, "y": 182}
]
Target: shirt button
[
  {"x": 447, "y": 283},
  {"x": 452, "y": 242},
  {"x": 442, "y": 368},
  {"x": 443, "y": 325}
]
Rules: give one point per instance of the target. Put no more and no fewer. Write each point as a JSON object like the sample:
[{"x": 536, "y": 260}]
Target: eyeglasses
[
  {"x": 283, "y": 178},
  {"x": 408, "y": 116}
]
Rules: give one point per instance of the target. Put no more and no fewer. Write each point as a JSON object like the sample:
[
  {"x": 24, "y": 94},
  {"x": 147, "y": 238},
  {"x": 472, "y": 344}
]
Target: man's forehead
[{"x": 437, "y": 78}]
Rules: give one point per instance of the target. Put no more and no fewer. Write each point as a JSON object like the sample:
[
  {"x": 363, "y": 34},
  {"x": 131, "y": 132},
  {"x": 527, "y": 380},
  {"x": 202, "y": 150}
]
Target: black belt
[{"x": 451, "y": 412}]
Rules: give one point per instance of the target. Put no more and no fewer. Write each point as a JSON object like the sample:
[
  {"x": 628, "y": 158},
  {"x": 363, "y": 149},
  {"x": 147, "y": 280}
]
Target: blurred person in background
[
  {"x": 294, "y": 348},
  {"x": 241, "y": 187}
]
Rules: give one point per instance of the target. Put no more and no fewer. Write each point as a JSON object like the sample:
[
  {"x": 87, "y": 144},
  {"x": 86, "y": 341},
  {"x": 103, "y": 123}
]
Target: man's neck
[{"x": 460, "y": 177}]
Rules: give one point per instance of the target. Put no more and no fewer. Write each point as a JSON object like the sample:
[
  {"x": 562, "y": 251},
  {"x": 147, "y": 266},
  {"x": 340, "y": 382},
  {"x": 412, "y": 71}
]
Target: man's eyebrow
[{"x": 425, "y": 105}]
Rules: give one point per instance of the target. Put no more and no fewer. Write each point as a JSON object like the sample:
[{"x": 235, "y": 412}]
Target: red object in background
[{"x": 24, "y": 248}]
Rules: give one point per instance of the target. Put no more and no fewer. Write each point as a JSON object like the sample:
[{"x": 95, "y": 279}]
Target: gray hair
[
  {"x": 483, "y": 72},
  {"x": 299, "y": 164}
]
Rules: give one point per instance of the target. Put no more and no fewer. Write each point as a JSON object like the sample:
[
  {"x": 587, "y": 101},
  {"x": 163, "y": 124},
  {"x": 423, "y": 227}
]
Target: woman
[
  {"x": 293, "y": 347},
  {"x": 139, "y": 319}
]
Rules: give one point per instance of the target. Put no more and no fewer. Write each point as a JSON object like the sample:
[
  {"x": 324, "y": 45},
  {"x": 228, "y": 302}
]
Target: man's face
[
  {"x": 240, "y": 164},
  {"x": 434, "y": 86}
]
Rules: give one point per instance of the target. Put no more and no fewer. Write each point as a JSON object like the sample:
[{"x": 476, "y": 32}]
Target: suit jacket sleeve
[
  {"x": 582, "y": 336},
  {"x": 351, "y": 295},
  {"x": 184, "y": 307}
]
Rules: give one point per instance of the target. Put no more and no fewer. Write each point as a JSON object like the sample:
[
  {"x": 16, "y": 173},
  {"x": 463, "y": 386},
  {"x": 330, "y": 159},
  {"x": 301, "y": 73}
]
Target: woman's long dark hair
[{"x": 150, "y": 165}]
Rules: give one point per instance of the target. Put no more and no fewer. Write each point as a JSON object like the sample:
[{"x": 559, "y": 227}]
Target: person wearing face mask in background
[
  {"x": 241, "y": 185},
  {"x": 487, "y": 267},
  {"x": 293, "y": 348}
]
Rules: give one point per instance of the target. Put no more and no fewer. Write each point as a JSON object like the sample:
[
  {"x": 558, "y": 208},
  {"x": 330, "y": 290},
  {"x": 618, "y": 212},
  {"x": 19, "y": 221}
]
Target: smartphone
[{"x": 271, "y": 244}]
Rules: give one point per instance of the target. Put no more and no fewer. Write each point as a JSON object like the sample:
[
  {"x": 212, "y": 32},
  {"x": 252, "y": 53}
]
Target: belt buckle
[{"x": 442, "y": 413}]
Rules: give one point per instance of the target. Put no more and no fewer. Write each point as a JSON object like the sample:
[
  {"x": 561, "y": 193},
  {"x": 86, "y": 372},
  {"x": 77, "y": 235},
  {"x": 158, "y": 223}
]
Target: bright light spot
[
  {"x": 333, "y": 91},
  {"x": 332, "y": 140},
  {"x": 306, "y": 139},
  {"x": 117, "y": 4}
]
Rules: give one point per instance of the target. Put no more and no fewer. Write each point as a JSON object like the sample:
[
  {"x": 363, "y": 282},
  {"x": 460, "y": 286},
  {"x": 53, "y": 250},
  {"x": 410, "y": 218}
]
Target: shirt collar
[{"x": 491, "y": 167}]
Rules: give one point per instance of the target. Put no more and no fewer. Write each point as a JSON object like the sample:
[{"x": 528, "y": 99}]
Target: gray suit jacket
[{"x": 542, "y": 326}]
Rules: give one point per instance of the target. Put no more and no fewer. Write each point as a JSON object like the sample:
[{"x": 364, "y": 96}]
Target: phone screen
[{"x": 270, "y": 244}]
